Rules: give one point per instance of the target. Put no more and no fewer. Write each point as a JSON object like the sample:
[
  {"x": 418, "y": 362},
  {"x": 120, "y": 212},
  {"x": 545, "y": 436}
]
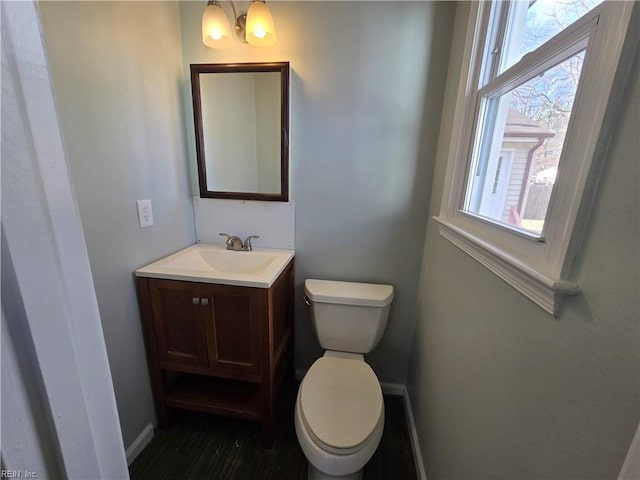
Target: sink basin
[
  {"x": 223, "y": 261},
  {"x": 215, "y": 264}
]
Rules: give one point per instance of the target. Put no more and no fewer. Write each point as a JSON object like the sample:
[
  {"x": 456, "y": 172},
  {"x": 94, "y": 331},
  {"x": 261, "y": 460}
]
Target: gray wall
[
  {"x": 116, "y": 70},
  {"x": 366, "y": 91},
  {"x": 268, "y": 131},
  {"x": 499, "y": 388},
  {"x": 229, "y": 131}
]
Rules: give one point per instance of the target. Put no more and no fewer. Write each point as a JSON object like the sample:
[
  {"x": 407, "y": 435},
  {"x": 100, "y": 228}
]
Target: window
[{"x": 539, "y": 80}]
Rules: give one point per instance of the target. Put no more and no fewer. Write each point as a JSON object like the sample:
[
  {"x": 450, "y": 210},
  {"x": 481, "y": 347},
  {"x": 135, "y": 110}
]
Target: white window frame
[{"x": 541, "y": 268}]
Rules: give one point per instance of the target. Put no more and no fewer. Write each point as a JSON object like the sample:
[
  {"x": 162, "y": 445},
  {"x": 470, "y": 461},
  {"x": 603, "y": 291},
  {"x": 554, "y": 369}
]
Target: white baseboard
[
  {"x": 139, "y": 443},
  {"x": 392, "y": 388},
  {"x": 631, "y": 466},
  {"x": 413, "y": 434}
]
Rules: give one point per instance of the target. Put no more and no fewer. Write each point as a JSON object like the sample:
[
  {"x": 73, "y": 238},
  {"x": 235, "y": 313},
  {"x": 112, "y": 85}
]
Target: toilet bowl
[
  {"x": 339, "y": 416},
  {"x": 339, "y": 413}
]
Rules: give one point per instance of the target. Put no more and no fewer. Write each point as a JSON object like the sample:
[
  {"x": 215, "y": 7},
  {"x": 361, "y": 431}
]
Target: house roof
[{"x": 519, "y": 124}]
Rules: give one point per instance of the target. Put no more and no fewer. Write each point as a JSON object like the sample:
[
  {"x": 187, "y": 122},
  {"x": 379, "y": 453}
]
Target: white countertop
[{"x": 215, "y": 264}]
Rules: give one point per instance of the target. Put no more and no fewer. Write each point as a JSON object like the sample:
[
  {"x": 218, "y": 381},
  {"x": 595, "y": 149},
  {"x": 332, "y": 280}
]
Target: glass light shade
[
  {"x": 260, "y": 30},
  {"x": 216, "y": 31}
]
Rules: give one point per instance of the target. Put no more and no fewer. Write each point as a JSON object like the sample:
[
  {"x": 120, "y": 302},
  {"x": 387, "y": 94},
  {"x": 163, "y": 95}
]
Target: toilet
[{"x": 339, "y": 413}]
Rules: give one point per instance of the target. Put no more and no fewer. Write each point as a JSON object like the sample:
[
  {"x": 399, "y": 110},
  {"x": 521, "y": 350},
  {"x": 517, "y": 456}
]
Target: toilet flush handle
[{"x": 307, "y": 301}]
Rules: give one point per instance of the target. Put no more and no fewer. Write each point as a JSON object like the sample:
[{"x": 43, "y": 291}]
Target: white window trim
[{"x": 541, "y": 268}]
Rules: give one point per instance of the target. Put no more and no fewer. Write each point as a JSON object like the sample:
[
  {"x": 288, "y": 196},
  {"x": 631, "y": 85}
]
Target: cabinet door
[
  {"x": 179, "y": 323},
  {"x": 234, "y": 337}
]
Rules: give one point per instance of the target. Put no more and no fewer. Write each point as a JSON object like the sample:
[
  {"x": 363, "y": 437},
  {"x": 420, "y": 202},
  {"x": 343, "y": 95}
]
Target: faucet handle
[
  {"x": 232, "y": 242},
  {"x": 247, "y": 243}
]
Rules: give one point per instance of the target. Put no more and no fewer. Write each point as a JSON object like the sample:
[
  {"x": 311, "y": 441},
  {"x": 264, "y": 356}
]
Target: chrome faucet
[{"x": 234, "y": 243}]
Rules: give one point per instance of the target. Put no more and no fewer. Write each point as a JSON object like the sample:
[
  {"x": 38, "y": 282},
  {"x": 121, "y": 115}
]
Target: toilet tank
[{"x": 348, "y": 316}]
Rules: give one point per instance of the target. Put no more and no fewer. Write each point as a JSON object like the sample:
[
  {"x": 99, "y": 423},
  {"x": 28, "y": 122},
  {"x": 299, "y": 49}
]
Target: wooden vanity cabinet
[{"x": 231, "y": 346}]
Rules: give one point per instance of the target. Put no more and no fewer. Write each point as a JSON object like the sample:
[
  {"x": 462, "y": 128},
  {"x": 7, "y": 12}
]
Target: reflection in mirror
[
  {"x": 241, "y": 115},
  {"x": 241, "y": 122}
]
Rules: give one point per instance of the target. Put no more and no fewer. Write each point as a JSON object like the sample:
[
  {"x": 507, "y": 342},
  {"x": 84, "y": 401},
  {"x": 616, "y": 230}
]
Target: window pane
[
  {"x": 520, "y": 146},
  {"x": 533, "y": 23}
]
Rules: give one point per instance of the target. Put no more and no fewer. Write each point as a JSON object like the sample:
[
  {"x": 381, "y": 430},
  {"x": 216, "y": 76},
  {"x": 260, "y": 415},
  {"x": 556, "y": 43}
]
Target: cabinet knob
[
  {"x": 195, "y": 301},
  {"x": 204, "y": 301}
]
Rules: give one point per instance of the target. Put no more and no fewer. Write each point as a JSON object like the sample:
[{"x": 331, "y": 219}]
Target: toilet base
[{"x": 315, "y": 474}]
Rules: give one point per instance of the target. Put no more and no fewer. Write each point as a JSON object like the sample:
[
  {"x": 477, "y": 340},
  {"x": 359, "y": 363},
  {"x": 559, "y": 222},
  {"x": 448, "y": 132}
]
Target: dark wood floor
[{"x": 200, "y": 447}]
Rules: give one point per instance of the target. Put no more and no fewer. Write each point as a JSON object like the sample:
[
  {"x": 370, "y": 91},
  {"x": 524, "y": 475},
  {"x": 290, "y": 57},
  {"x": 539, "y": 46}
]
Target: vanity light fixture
[
  {"x": 255, "y": 27},
  {"x": 216, "y": 31},
  {"x": 260, "y": 30}
]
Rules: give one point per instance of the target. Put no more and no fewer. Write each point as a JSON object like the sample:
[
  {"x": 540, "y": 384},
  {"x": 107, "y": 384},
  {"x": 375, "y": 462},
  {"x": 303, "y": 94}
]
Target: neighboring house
[{"x": 522, "y": 137}]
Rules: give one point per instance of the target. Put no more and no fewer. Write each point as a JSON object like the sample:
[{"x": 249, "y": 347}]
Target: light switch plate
[{"x": 145, "y": 213}]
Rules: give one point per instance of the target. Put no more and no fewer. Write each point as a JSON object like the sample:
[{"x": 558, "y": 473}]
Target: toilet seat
[{"x": 341, "y": 403}]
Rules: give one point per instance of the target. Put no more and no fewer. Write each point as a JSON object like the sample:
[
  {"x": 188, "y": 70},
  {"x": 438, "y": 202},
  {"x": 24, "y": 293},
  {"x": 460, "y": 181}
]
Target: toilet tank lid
[{"x": 348, "y": 293}]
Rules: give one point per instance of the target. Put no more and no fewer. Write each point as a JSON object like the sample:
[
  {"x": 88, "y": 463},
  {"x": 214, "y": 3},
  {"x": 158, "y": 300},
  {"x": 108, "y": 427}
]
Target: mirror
[{"x": 241, "y": 119}]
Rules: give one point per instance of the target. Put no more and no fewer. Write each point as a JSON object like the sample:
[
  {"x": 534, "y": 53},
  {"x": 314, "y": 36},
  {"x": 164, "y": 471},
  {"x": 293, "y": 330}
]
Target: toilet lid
[{"x": 341, "y": 401}]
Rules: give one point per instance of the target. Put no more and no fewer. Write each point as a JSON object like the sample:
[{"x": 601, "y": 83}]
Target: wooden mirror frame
[{"x": 283, "y": 69}]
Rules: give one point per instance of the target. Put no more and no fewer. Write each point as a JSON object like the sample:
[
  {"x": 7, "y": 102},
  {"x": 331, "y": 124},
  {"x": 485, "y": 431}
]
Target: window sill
[{"x": 542, "y": 289}]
